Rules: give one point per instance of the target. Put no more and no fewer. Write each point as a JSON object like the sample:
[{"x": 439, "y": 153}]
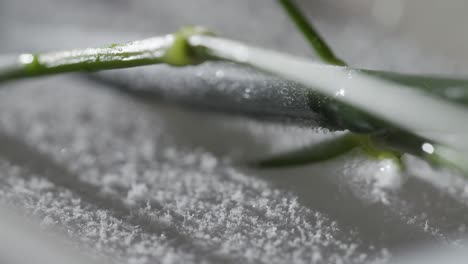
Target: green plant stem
[
  {"x": 170, "y": 49},
  {"x": 387, "y": 145},
  {"x": 111, "y": 57},
  {"x": 311, "y": 154},
  {"x": 310, "y": 33},
  {"x": 329, "y": 149}
]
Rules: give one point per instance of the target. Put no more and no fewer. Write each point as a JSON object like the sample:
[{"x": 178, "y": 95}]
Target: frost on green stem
[{"x": 171, "y": 49}]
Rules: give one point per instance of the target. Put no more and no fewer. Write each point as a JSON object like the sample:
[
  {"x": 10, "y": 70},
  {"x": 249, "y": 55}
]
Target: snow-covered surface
[{"x": 138, "y": 181}]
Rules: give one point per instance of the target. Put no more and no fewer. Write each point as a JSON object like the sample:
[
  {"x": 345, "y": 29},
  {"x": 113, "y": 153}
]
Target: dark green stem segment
[
  {"x": 331, "y": 148},
  {"x": 310, "y": 33},
  {"x": 171, "y": 49},
  {"x": 389, "y": 144},
  {"x": 311, "y": 154}
]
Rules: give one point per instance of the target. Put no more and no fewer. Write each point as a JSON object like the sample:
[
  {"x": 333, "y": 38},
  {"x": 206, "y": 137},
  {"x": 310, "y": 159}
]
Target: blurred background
[{"x": 131, "y": 181}]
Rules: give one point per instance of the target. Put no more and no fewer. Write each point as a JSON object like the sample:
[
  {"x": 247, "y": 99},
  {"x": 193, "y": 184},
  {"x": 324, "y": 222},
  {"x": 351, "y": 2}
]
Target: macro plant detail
[{"x": 428, "y": 122}]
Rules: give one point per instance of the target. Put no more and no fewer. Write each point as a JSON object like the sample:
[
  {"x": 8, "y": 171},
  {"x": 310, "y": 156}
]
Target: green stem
[
  {"x": 319, "y": 152},
  {"x": 171, "y": 49},
  {"x": 310, "y": 33},
  {"x": 329, "y": 149}
]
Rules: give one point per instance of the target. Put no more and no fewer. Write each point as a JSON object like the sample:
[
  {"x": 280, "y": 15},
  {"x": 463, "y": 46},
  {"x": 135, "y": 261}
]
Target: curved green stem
[
  {"x": 310, "y": 33},
  {"x": 314, "y": 153},
  {"x": 331, "y": 148}
]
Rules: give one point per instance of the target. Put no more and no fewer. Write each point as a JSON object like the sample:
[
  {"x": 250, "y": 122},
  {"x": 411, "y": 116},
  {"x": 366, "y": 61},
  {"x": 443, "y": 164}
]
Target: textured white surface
[{"x": 117, "y": 183}]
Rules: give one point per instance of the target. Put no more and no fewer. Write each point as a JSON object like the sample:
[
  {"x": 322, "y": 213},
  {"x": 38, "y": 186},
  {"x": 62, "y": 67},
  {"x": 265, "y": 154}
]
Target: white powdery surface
[
  {"x": 82, "y": 225},
  {"x": 107, "y": 172}
]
